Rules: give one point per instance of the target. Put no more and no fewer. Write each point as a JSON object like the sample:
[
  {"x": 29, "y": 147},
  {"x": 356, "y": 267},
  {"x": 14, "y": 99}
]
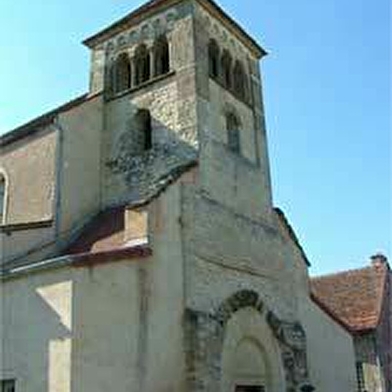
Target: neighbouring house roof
[
  {"x": 154, "y": 6},
  {"x": 354, "y": 298}
]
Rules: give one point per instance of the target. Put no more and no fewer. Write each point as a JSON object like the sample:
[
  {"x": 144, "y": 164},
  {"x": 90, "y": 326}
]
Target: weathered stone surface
[{"x": 292, "y": 339}]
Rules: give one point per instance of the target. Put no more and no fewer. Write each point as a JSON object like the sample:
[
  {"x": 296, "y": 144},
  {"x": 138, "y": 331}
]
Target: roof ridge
[
  {"x": 356, "y": 296},
  {"x": 333, "y": 274}
]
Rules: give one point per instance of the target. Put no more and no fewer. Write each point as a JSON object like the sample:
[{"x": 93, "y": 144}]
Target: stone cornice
[
  {"x": 134, "y": 17},
  {"x": 216, "y": 11},
  {"x": 78, "y": 261},
  {"x": 152, "y": 7}
]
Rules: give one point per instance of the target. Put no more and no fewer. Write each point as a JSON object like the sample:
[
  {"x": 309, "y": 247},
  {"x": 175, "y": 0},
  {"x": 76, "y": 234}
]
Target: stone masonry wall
[
  {"x": 80, "y": 193},
  {"x": 130, "y": 175},
  {"x": 240, "y": 181},
  {"x": 98, "y": 326},
  {"x": 164, "y": 22},
  {"x": 29, "y": 167},
  {"x": 225, "y": 252}
]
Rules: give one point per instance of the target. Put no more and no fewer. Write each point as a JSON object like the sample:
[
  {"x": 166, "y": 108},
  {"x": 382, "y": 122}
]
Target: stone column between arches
[{"x": 204, "y": 340}]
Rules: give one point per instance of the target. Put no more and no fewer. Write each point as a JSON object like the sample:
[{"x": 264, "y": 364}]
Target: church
[{"x": 141, "y": 250}]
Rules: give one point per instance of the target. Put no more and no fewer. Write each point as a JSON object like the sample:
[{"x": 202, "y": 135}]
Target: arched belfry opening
[
  {"x": 121, "y": 73},
  {"x": 239, "y": 80},
  {"x": 213, "y": 58},
  {"x": 142, "y": 64},
  {"x": 161, "y": 56},
  {"x": 226, "y": 66}
]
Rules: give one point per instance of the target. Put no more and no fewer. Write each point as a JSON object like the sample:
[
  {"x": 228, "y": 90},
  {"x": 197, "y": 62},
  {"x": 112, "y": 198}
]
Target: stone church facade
[{"x": 140, "y": 247}]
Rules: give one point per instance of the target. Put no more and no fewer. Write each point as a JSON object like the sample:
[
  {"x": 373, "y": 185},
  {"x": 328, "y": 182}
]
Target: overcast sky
[{"x": 326, "y": 92}]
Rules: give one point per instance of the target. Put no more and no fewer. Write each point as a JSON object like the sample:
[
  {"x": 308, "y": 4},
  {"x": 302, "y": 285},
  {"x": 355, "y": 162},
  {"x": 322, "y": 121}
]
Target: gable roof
[{"x": 353, "y": 297}]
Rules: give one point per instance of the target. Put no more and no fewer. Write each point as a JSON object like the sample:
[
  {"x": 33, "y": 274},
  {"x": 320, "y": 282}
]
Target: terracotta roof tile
[{"x": 353, "y": 297}]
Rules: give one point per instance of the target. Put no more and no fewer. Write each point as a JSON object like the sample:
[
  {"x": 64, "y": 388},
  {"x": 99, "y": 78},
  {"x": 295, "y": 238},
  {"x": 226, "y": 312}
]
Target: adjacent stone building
[
  {"x": 140, "y": 247},
  {"x": 361, "y": 300}
]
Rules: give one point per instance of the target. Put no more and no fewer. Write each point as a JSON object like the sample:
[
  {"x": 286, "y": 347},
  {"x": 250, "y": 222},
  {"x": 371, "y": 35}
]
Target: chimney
[{"x": 379, "y": 260}]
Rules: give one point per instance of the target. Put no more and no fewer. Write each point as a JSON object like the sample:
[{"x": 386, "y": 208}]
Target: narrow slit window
[
  {"x": 2, "y": 198},
  {"x": 144, "y": 130},
  {"x": 233, "y": 133}
]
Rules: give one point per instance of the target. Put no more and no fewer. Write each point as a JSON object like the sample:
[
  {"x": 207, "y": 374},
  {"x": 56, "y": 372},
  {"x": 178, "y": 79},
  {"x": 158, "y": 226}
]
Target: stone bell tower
[
  {"x": 231, "y": 130},
  {"x": 181, "y": 82}
]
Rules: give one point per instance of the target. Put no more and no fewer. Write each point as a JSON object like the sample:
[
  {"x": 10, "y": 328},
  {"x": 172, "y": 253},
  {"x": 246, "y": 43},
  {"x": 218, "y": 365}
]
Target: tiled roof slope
[{"x": 354, "y": 297}]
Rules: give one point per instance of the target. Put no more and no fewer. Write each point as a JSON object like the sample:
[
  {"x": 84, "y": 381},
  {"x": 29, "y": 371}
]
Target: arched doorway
[
  {"x": 249, "y": 370},
  {"x": 243, "y": 347},
  {"x": 251, "y": 360}
]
